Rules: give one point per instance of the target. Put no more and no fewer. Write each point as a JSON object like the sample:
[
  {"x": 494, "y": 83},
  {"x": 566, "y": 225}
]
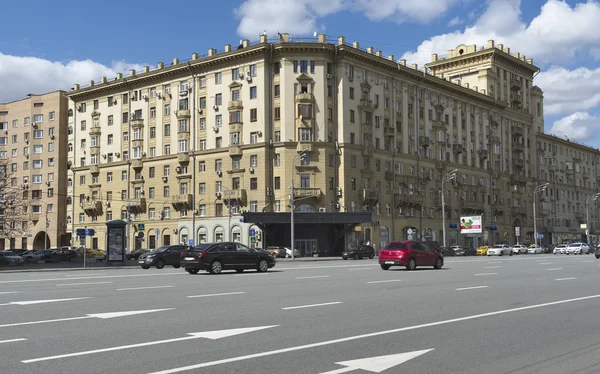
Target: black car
[
  {"x": 135, "y": 255},
  {"x": 166, "y": 255},
  {"x": 359, "y": 252},
  {"x": 61, "y": 255},
  {"x": 447, "y": 252},
  {"x": 216, "y": 257},
  {"x": 464, "y": 251}
]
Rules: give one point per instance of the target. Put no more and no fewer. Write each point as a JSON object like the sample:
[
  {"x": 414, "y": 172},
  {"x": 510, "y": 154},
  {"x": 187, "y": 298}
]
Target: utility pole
[
  {"x": 292, "y": 201},
  {"x": 536, "y": 192},
  {"x": 447, "y": 178},
  {"x": 587, "y": 215}
]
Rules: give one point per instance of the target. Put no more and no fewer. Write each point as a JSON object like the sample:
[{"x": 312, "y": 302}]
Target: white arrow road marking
[
  {"x": 88, "y": 316},
  {"x": 371, "y": 335},
  {"x": 554, "y": 269},
  {"x": 12, "y": 340},
  {"x": 33, "y": 302},
  {"x": 480, "y": 274},
  {"x": 213, "y": 335},
  {"x": 377, "y": 364}
]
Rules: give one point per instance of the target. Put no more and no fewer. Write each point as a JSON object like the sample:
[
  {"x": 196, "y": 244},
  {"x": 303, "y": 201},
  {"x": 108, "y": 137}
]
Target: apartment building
[
  {"x": 201, "y": 149},
  {"x": 32, "y": 142}
]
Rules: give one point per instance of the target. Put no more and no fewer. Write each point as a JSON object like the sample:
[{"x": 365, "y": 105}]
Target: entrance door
[{"x": 306, "y": 247}]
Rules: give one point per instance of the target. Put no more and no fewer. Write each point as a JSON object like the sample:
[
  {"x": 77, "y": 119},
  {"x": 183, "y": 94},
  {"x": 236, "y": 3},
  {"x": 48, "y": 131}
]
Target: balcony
[
  {"x": 236, "y": 127},
  {"x": 518, "y": 179},
  {"x": 137, "y": 122},
  {"x": 235, "y": 150},
  {"x": 137, "y": 163},
  {"x": 585, "y": 175},
  {"x": 183, "y": 158},
  {"x": 183, "y": 113},
  {"x": 94, "y": 150},
  {"x": 367, "y": 151},
  {"x": 518, "y": 210},
  {"x": 94, "y": 169},
  {"x": 239, "y": 195},
  {"x": 93, "y": 207},
  {"x": 138, "y": 203},
  {"x": 518, "y": 146},
  {"x": 235, "y": 105},
  {"x": 516, "y": 98},
  {"x": 516, "y": 84},
  {"x": 458, "y": 148},
  {"x": 517, "y": 130},
  {"x": 544, "y": 212},
  {"x": 483, "y": 153},
  {"x": 519, "y": 162},
  {"x": 552, "y": 167},
  {"x": 389, "y": 175},
  {"x": 569, "y": 171},
  {"x": 367, "y": 128},
  {"x": 304, "y": 97},
  {"x": 304, "y": 147},
  {"x": 389, "y": 131},
  {"x": 137, "y": 143},
  {"x": 579, "y": 215},
  {"x": 439, "y": 125},
  {"x": 185, "y": 199},
  {"x": 366, "y": 105},
  {"x": 370, "y": 195},
  {"x": 95, "y": 130},
  {"x": 404, "y": 199},
  {"x": 306, "y": 192},
  {"x": 424, "y": 141}
]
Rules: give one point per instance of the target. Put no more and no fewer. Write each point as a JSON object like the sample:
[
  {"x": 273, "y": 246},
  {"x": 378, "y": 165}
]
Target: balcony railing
[
  {"x": 307, "y": 192},
  {"x": 184, "y": 199}
]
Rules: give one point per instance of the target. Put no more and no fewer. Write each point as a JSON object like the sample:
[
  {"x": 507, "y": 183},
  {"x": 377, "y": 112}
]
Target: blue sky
[{"x": 45, "y": 47}]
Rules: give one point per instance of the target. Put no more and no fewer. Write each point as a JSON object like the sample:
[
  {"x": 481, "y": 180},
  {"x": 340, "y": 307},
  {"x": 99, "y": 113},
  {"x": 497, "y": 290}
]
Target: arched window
[
  {"x": 70, "y": 130},
  {"x": 306, "y": 208},
  {"x": 236, "y": 234},
  {"x": 69, "y": 200},
  {"x": 70, "y": 147},
  {"x": 219, "y": 234},
  {"x": 202, "y": 235}
]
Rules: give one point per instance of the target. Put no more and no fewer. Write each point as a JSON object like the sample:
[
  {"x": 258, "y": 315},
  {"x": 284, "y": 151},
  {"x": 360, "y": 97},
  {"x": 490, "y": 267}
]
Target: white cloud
[
  {"x": 579, "y": 126},
  {"x": 568, "y": 91},
  {"x": 455, "y": 22},
  {"x": 23, "y": 75},
  {"x": 556, "y": 34},
  {"x": 300, "y": 17}
]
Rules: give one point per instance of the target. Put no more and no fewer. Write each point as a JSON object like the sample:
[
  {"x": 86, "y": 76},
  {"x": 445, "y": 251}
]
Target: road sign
[
  {"x": 253, "y": 239},
  {"x": 82, "y": 240},
  {"x": 141, "y": 227},
  {"x": 140, "y": 235},
  {"x": 409, "y": 231},
  {"x": 252, "y": 232},
  {"x": 517, "y": 231},
  {"x": 80, "y": 232},
  {"x": 89, "y": 232},
  {"x": 191, "y": 242},
  {"x": 242, "y": 220}
]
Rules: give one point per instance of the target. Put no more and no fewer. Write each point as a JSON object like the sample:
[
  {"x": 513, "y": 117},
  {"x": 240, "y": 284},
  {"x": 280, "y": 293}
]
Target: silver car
[{"x": 10, "y": 258}]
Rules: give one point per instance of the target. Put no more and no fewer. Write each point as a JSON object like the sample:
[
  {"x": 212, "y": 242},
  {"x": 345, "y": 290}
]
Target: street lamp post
[
  {"x": 447, "y": 178},
  {"x": 292, "y": 201},
  {"x": 228, "y": 212},
  {"x": 587, "y": 215},
  {"x": 536, "y": 192}
]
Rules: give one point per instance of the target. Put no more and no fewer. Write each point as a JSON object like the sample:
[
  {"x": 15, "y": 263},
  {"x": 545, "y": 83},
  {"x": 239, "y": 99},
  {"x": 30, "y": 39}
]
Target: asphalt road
[{"x": 520, "y": 314}]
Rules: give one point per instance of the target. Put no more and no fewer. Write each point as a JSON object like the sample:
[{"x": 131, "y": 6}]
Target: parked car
[
  {"x": 288, "y": 252},
  {"x": 560, "y": 249},
  {"x": 500, "y": 250},
  {"x": 482, "y": 250},
  {"x": 277, "y": 252},
  {"x": 464, "y": 251},
  {"x": 448, "y": 252},
  {"x": 10, "y": 258},
  {"x": 34, "y": 256},
  {"x": 135, "y": 255},
  {"x": 61, "y": 255},
  {"x": 535, "y": 249},
  {"x": 359, "y": 252},
  {"x": 166, "y": 255},
  {"x": 597, "y": 251},
  {"x": 216, "y": 257},
  {"x": 409, "y": 253},
  {"x": 578, "y": 249}
]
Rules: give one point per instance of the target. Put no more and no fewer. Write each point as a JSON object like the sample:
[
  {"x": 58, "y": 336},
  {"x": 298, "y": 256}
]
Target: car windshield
[
  {"x": 498, "y": 246},
  {"x": 9, "y": 253},
  {"x": 201, "y": 247},
  {"x": 161, "y": 249},
  {"x": 396, "y": 246}
]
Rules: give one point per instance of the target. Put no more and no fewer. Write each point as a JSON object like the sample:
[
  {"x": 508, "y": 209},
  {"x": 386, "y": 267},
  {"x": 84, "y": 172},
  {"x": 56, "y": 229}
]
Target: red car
[{"x": 411, "y": 254}]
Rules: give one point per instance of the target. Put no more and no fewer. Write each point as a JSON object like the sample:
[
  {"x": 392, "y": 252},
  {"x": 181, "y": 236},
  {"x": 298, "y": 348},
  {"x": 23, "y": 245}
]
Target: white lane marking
[
  {"x": 217, "y": 294},
  {"x": 385, "y": 281},
  {"x": 249, "y": 274},
  {"x": 101, "y": 277},
  {"x": 551, "y": 269},
  {"x": 470, "y": 288},
  {"x": 80, "y": 284},
  {"x": 310, "y": 306},
  {"x": 360, "y": 269},
  {"x": 494, "y": 262},
  {"x": 589, "y": 261},
  {"x": 565, "y": 279},
  {"x": 142, "y": 288},
  {"x": 78, "y": 275},
  {"x": 315, "y": 277},
  {"x": 369, "y": 335},
  {"x": 88, "y": 316},
  {"x": 302, "y": 267},
  {"x": 12, "y": 340},
  {"x": 9, "y": 292},
  {"x": 492, "y": 267},
  {"x": 480, "y": 274},
  {"x": 33, "y": 302},
  {"x": 545, "y": 263}
]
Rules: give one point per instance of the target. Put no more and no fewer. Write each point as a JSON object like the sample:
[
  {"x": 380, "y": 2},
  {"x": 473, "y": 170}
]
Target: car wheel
[
  {"x": 385, "y": 267},
  {"x": 145, "y": 267},
  {"x": 239, "y": 270},
  {"x": 501, "y": 253},
  {"x": 344, "y": 257},
  {"x": 412, "y": 264},
  {"x": 176, "y": 266},
  {"x": 355, "y": 257},
  {"x": 438, "y": 263},
  {"x": 371, "y": 256},
  {"x": 510, "y": 254},
  {"x": 160, "y": 263},
  {"x": 263, "y": 266},
  {"x": 216, "y": 267},
  {"x": 581, "y": 251},
  {"x": 192, "y": 270},
  {"x": 598, "y": 257}
]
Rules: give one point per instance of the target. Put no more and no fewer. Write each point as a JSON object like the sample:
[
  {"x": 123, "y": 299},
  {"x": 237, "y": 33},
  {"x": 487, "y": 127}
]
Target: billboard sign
[{"x": 471, "y": 225}]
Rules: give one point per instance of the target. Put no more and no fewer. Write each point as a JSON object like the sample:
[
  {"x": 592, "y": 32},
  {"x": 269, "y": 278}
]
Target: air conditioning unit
[
  {"x": 35, "y": 125},
  {"x": 165, "y": 179},
  {"x": 133, "y": 98},
  {"x": 251, "y": 170},
  {"x": 200, "y": 111},
  {"x": 322, "y": 210},
  {"x": 79, "y": 108},
  {"x": 215, "y": 107},
  {"x": 241, "y": 75},
  {"x": 219, "y": 173},
  {"x": 115, "y": 102},
  {"x": 6, "y": 131},
  {"x": 175, "y": 231},
  {"x": 218, "y": 195},
  {"x": 177, "y": 111},
  {"x": 26, "y": 141},
  {"x": 145, "y": 97},
  {"x": 158, "y": 94},
  {"x": 215, "y": 129},
  {"x": 107, "y": 204},
  {"x": 268, "y": 191},
  {"x": 329, "y": 76},
  {"x": 178, "y": 169},
  {"x": 47, "y": 183},
  {"x": 248, "y": 78},
  {"x": 118, "y": 154}
]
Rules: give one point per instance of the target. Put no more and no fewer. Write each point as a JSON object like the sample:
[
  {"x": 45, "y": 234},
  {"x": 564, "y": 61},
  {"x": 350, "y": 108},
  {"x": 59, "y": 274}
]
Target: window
[
  {"x": 236, "y": 162},
  {"x": 305, "y": 134},
  {"x": 202, "y": 144},
  {"x": 277, "y": 136},
  {"x": 203, "y": 81},
  {"x": 153, "y": 112},
  {"x": 167, "y": 150},
  {"x": 109, "y": 176},
  {"x": 235, "y": 74},
  {"x": 183, "y": 104},
  {"x": 37, "y": 164},
  {"x": 83, "y": 125},
  {"x": 38, "y": 134},
  {"x": 203, "y": 102},
  {"x": 235, "y": 116},
  {"x": 152, "y": 132},
  {"x": 51, "y": 161},
  {"x": 277, "y": 90},
  {"x": 167, "y": 110},
  {"x": 305, "y": 110},
  {"x": 37, "y": 178},
  {"x": 218, "y": 120},
  {"x": 277, "y": 183},
  {"x": 253, "y": 115},
  {"x": 253, "y": 92},
  {"x": 26, "y": 121},
  {"x": 15, "y": 123},
  {"x": 277, "y": 114},
  {"x": 109, "y": 139},
  {"x": 167, "y": 130},
  {"x": 201, "y": 166},
  {"x": 182, "y": 145},
  {"x": 253, "y": 137},
  {"x": 304, "y": 180},
  {"x": 252, "y": 70},
  {"x": 218, "y": 99},
  {"x": 253, "y": 161},
  {"x": 38, "y": 148},
  {"x": 218, "y": 78},
  {"x": 253, "y": 183},
  {"x": 37, "y": 118}
]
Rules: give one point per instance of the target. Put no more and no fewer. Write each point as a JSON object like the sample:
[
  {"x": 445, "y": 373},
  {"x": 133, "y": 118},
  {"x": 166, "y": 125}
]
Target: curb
[{"x": 68, "y": 269}]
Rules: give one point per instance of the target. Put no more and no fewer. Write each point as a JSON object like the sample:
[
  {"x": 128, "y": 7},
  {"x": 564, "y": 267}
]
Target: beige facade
[
  {"x": 33, "y": 140},
  {"x": 177, "y": 145}
]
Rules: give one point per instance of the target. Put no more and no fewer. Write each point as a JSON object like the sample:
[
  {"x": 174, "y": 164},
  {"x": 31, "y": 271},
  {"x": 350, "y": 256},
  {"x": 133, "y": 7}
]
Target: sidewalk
[{"x": 66, "y": 266}]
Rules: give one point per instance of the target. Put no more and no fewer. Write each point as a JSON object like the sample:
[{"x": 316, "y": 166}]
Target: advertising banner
[{"x": 471, "y": 225}]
